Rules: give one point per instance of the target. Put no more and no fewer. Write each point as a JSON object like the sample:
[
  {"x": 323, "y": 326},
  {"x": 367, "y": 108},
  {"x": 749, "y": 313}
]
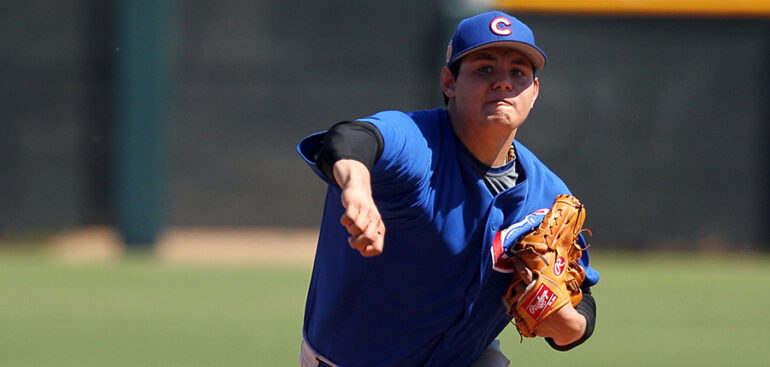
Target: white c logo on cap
[{"x": 500, "y": 31}]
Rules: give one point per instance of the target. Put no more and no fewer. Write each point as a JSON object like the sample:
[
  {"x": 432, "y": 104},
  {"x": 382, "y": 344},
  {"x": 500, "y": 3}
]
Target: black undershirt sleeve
[
  {"x": 587, "y": 308},
  {"x": 357, "y": 140}
]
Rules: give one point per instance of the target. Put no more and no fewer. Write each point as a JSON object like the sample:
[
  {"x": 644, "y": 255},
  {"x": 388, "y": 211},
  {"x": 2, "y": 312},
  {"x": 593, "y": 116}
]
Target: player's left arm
[
  {"x": 587, "y": 305},
  {"x": 569, "y": 326},
  {"x": 586, "y": 309},
  {"x": 576, "y": 326}
]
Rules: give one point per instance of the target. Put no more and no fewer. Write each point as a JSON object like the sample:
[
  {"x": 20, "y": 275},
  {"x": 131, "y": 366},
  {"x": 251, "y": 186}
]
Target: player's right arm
[
  {"x": 348, "y": 153},
  {"x": 362, "y": 219}
]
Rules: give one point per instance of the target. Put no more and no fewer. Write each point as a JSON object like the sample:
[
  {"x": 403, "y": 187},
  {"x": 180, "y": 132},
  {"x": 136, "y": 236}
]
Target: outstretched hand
[{"x": 362, "y": 219}]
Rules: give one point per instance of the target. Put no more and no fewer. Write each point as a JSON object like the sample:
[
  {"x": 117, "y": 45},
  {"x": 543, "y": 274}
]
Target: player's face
[{"x": 495, "y": 87}]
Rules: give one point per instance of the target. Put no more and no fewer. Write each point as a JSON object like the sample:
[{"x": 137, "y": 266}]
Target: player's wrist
[
  {"x": 351, "y": 173},
  {"x": 573, "y": 330}
]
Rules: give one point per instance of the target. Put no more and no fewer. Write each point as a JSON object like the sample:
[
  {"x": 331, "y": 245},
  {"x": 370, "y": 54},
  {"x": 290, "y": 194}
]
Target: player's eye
[
  {"x": 485, "y": 70},
  {"x": 517, "y": 72}
]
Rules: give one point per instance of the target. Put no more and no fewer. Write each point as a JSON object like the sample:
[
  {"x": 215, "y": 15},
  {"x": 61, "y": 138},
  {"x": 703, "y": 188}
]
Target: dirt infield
[{"x": 194, "y": 245}]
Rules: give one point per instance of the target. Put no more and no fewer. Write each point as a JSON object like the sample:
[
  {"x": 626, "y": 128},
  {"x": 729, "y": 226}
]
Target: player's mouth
[{"x": 500, "y": 102}]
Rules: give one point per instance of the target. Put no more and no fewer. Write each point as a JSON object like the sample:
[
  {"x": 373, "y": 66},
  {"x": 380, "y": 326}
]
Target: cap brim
[{"x": 532, "y": 53}]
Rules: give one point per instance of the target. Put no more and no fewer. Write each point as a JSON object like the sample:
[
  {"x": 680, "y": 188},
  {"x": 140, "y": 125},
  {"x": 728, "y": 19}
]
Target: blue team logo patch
[{"x": 506, "y": 239}]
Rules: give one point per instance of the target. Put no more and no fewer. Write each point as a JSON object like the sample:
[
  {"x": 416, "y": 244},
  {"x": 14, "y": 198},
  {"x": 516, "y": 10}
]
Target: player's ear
[
  {"x": 447, "y": 82},
  {"x": 535, "y": 91}
]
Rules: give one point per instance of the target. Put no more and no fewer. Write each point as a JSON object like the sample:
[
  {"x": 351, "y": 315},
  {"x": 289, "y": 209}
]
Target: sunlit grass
[{"x": 653, "y": 310}]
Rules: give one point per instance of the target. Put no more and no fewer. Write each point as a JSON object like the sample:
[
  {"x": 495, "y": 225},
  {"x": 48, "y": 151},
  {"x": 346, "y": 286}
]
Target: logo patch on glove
[
  {"x": 559, "y": 266},
  {"x": 540, "y": 302}
]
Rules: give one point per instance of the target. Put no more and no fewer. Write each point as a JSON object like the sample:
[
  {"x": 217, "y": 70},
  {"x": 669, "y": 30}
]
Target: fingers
[
  {"x": 523, "y": 273},
  {"x": 356, "y": 219},
  {"x": 366, "y": 229},
  {"x": 370, "y": 243}
]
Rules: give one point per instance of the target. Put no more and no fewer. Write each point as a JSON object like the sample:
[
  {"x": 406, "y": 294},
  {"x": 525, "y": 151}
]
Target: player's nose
[{"x": 502, "y": 82}]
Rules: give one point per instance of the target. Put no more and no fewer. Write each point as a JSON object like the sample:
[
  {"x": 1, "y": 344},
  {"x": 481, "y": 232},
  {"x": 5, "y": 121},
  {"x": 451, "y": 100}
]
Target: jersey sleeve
[
  {"x": 592, "y": 276},
  {"x": 308, "y": 148},
  {"x": 405, "y": 161}
]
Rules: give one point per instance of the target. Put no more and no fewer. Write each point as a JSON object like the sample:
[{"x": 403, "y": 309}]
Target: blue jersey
[{"x": 431, "y": 298}]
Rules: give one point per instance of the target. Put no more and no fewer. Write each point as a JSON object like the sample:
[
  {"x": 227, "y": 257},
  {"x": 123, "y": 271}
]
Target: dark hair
[{"x": 454, "y": 68}]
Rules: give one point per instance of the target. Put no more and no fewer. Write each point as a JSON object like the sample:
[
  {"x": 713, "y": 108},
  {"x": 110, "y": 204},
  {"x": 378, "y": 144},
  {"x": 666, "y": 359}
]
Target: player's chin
[{"x": 503, "y": 118}]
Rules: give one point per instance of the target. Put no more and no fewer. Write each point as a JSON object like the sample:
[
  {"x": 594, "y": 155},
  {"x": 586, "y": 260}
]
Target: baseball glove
[{"x": 551, "y": 252}]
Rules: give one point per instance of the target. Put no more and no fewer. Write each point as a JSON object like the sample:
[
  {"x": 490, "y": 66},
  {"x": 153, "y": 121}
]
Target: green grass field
[{"x": 653, "y": 310}]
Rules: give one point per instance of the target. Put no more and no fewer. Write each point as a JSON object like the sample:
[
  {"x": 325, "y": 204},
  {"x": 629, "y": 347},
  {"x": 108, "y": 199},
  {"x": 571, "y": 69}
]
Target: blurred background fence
[{"x": 150, "y": 115}]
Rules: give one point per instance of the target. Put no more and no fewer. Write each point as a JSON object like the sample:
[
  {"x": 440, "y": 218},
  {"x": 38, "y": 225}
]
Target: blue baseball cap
[{"x": 494, "y": 29}]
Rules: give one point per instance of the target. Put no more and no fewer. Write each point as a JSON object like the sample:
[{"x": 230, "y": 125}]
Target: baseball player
[{"x": 403, "y": 274}]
